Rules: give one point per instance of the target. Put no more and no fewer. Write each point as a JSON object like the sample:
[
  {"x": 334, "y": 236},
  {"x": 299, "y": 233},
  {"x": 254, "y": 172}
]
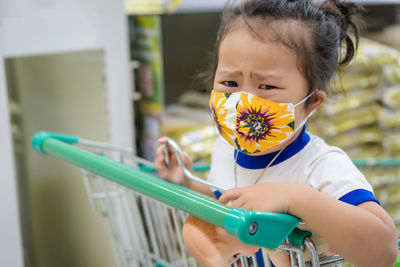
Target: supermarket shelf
[
  {"x": 135, "y": 7},
  {"x": 191, "y": 6}
]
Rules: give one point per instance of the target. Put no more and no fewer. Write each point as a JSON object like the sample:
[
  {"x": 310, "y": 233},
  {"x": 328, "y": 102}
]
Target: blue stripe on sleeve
[
  {"x": 217, "y": 194},
  {"x": 358, "y": 196}
]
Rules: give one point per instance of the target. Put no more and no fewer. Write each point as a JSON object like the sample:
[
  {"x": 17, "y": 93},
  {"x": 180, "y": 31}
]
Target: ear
[{"x": 316, "y": 100}]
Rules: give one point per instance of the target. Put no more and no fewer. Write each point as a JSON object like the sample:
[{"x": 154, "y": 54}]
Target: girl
[{"x": 274, "y": 60}]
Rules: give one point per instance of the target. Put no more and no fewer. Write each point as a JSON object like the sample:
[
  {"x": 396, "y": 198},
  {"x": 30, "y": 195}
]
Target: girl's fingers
[
  {"x": 229, "y": 195},
  {"x": 162, "y": 140},
  {"x": 162, "y": 151},
  {"x": 238, "y": 203},
  {"x": 159, "y": 162},
  {"x": 171, "y": 154},
  {"x": 160, "y": 166},
  {"x": 159, "y": 151},
  {"x": 187, "y": 160},
  {"x": 170, "y": 168},
  {"x": 159, "y": 155}
]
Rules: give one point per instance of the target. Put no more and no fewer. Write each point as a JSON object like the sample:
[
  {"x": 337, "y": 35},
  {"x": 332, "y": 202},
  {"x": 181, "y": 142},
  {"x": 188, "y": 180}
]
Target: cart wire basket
[{"x": 146, "y": 213}]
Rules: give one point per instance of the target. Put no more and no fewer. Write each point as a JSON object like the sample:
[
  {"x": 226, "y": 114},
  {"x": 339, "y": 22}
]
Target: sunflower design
[
  {"x": 219, "y": 111},
  {"x": 261, "y": 124}
]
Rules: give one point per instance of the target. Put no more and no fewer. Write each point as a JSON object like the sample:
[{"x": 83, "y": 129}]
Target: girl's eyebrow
[
  {"x": 230, "y": 72},
  {"x": 266, "y": 77}
]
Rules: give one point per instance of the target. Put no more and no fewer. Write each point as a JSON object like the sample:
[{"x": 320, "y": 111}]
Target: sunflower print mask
[{"x": 250, "y": 123}]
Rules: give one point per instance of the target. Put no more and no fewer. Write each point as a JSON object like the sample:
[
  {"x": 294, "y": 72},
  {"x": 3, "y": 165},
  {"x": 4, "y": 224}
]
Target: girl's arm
[
  {"x": 364, "y": 235},
  {"x": 200, "y": 188}
]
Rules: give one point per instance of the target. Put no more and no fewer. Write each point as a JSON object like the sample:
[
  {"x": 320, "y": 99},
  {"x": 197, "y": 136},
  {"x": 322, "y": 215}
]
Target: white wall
[{"x": 10, "y": 244}]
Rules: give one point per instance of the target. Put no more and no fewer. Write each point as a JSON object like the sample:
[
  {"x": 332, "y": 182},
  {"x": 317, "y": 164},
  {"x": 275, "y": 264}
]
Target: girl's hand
[
  {"x": 173, "y": 171},
  {"x": 270, "y": 197},
  {"x": 352, "y": 231}
]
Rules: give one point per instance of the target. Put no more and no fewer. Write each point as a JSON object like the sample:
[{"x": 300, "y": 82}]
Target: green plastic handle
[
  {"x": 251, "y": 227},
  {"x": 169, "y": 193},
  {"x": 258, "y": 228},
  {"x": 297, "y": 237},
  {"x": 40, "y": 137},
  {"x": 196, "y": 168}
]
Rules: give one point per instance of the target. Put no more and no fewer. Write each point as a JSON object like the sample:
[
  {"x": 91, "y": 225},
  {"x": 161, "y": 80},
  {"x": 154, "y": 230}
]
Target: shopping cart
[{"x": 146, "y": 213}]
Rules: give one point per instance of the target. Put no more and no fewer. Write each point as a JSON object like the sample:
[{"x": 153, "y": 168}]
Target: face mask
[{"x": 253, "y": 124}]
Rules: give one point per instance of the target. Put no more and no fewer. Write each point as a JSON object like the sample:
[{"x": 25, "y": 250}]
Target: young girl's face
[{"x": 264, "y": 68}]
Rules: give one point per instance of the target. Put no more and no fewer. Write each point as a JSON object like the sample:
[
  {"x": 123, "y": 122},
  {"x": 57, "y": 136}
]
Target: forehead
[
  {"x": 290, "y": 32},
  {"x": 257, "y": 46},
  {"x": 276, "y": 43}
]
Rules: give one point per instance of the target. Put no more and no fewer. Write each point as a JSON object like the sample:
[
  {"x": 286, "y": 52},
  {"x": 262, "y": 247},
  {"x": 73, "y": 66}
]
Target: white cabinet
[{"x": 33, "y": 36}]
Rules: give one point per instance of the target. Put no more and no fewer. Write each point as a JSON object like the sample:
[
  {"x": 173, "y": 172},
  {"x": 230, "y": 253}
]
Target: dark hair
[{"x": 326, "y": 46}]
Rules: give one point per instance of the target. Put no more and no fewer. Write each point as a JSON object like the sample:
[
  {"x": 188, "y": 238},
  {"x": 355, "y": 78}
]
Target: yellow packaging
[
  {"x": 392, "y": 74},
  {"x": 344, "y": 103},
  {"x": 391, "y": 97},
  {"x": 359, "y": 137},
  {"x": 372, "y": 56},
  {"x": 346, "y": 82}
]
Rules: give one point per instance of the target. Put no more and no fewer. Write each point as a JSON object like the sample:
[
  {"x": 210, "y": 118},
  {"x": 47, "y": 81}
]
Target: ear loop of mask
[
  {"x": 304, "y": 99},
  {"x": 309, "y": 115}
]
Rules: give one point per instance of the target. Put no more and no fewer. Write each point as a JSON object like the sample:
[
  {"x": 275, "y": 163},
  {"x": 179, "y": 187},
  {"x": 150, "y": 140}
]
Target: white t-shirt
[{"x": 307, "y": 160}]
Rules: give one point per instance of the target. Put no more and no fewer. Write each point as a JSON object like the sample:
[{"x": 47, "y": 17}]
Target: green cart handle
[
  {"x": 257, "y": 228},
  {"x": 196, "y": 168},
  {"x": 40, "y": 137}
]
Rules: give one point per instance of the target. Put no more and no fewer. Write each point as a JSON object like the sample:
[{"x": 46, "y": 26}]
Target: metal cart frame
[{"x": 146, "y": 213}]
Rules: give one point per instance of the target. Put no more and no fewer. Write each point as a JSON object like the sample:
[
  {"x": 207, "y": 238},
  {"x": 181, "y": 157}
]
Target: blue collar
[{"x": 260, "y": 162}]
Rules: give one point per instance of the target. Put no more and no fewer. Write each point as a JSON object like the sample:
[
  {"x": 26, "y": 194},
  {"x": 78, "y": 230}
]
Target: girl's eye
[
  {"x": 236, "y": 255},
  {"x": 230, "y": 83},
  {"x": 267, "y": 87}
]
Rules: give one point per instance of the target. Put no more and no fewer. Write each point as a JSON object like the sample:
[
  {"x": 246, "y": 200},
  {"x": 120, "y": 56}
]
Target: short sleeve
[{"x": 334, "y": 174}]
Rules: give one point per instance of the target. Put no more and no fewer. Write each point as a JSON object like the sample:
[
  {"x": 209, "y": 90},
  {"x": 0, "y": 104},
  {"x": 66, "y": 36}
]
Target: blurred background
[{"x": 127, "y": 72}]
